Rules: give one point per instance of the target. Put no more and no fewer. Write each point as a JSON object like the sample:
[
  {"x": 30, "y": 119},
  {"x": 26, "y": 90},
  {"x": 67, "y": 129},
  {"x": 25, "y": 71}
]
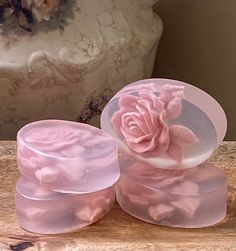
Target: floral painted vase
[{"x": 65, "y": 58}]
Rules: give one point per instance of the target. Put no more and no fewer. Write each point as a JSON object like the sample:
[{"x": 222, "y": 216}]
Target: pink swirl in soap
[{"x": 143, "y": 122}]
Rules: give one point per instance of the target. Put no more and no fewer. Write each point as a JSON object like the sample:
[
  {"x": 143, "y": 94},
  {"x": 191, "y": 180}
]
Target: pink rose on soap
[{"x": 143, "y": 122}]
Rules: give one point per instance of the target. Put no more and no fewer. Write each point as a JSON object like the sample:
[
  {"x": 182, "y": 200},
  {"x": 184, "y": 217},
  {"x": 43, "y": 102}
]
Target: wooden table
[{"x": 117, "y": 230}]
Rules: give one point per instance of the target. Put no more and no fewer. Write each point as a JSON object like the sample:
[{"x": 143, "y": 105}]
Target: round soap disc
[
  {"x": 46, "y": 212},
  {"x": 189, "y": 198},
  {"x": 165, "y": 123},
  {"x": 67, "y": 157}
]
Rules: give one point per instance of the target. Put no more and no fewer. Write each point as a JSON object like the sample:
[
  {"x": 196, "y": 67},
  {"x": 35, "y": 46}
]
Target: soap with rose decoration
[
  {"x": 67, "y": 157},
  {"x": 166, "y": 131},
  {"x": 69, "y": 171},
  {"x": 42, "y": 211},
  {"x": 188, "y": 198},
  {"x": 165, "y": 123}
]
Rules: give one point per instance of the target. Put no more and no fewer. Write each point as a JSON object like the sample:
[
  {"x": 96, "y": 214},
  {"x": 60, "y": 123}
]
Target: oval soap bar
[
  {"x": 67, "y": 157},
  {"x": 187, "y": 198},
  {"x": 42, "y": 211},
  {"x": 165, "y": 123}
]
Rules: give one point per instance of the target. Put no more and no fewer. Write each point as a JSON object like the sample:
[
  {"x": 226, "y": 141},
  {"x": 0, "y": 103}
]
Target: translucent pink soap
[
  {"x": 189, "y": 198},
  {"x": 42, "y": 211},
  {"x": 166, "y": 123},
  {"x": 166, "y": 130},
  {"x": 67, "y": 157}
]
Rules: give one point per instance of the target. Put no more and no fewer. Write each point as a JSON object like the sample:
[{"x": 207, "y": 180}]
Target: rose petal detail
[
  {"x": 142, "y": 121},
  {"x": 165, "y": 130},
  {"x": 187, "y": 206},
  {"x": 146, "y": 95},
  {"x": 163, "y": 137},
  {"x": 134, "y": 139},
  {"x": 138, "y": 199},
  {"x": 185, "y": 186},
  {"x": 142, "y": 145},
  {"x": 116, "y": 119},
  {"x": 172, "y": 88},
  {"x": 155, "y": 101},
  {"x": 129, "y": 126},
  {"x": 127, "y": 100},
  {"x": 89, "y": 214},
  {"x": 169, "y": 92},
  {"x": 182, "y": 136},
  {"x": 158, "y": 105},
  {"x": 161, "y": 211},
  {"x": 46, "y": 175},
  {"x": 138, "y": 119},
  {"x": 135, "y": 131},
  {"x": 145, "y": 103},
  {"x": 174, "y": 108},
  {"x": 147, "y": 117}
]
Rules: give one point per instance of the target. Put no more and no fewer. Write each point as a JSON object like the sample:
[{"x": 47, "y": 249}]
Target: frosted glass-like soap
[
  {"x": 166, "y": 123},
  {"x": 67, "y": 157},
  {"x": 42, "y": 211},
  {"x": 166, "y": 130},
  {"x": 188, "y": 198}
]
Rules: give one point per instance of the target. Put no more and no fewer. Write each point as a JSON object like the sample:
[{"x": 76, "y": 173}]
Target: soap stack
[
  {"x": 69, "y": 171},
  {"x": 166, "y": 131}
]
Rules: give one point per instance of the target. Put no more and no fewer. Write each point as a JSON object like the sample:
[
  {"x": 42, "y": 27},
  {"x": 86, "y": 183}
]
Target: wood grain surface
[{"x": 117, "y": 230}]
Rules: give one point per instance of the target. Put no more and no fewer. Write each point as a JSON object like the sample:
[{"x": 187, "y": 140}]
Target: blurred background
[{"x": 198, "y": 46}]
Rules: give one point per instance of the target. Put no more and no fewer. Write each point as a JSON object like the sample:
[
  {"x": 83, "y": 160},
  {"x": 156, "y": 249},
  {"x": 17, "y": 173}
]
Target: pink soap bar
[
  {"x": 166, "y": 123},
  {"x": 41, "y": 211},
  {"x": 67, "y": 157},
  {"x": 188, "y": 198}
]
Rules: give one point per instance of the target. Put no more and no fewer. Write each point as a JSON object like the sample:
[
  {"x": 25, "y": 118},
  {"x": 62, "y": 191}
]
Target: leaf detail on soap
[{"x": 182, "y": 136}]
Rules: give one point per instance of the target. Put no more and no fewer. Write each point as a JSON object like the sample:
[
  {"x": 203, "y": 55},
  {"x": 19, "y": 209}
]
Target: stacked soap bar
[
  {"x": 193, "y": 197},
  {"x": 166, "y": 131},
  {"x": 68, "y": 175}
]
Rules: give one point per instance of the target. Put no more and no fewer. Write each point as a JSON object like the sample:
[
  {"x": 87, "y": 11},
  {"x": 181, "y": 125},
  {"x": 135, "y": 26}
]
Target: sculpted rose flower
[{"x": 143, "y": 122}]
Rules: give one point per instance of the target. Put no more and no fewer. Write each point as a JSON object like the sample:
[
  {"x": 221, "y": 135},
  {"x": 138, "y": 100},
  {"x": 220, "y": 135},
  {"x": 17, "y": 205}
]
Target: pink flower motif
[
  {"x": 161, "y": 212},
  {"x": 89, "y": 214},
  {"x": 143, "y": 122},
  {"x": 47, "y": 175},
  {"x": 171, "y": 96}
]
